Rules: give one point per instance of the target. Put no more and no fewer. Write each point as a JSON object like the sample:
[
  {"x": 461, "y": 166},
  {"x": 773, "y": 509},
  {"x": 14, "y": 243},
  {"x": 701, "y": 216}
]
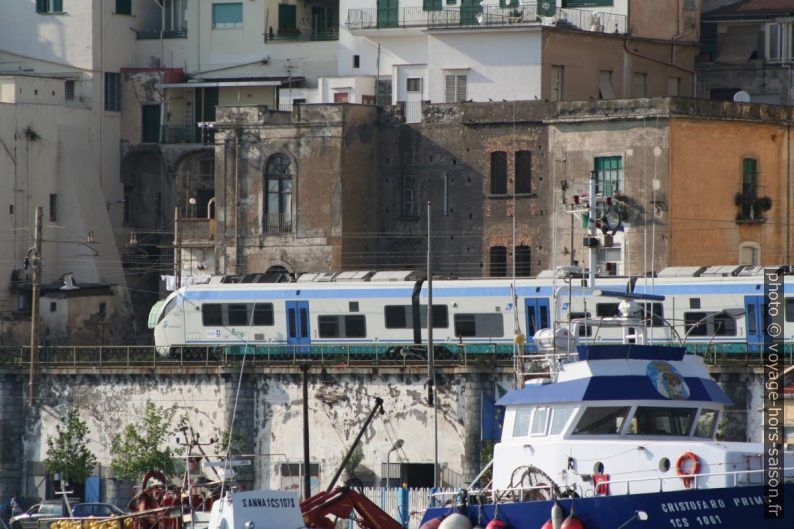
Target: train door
[
  {"x": 754, "y": 322},
  {"x": 537, "y": 310},
  {"x": 298, "y": 327}
]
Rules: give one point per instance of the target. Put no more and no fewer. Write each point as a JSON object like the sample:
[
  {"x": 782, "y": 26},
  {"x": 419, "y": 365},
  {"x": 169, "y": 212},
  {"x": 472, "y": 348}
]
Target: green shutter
[
  {"x": 42, "y": 6},
  {"x": 432, "y": 5},
  {"x": 287, "y": 17},
  {"x": 230, "y": 14},
  {"x": 547, "y": 8},
  {"x": 57, "y": 6}
]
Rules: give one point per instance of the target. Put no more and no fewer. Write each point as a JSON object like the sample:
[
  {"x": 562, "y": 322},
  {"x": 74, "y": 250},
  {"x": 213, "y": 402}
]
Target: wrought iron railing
[
  {"x": 483, "y": 17},
  {"x": 304, "y": 36},
  {"x": 278, "y": 223},
  {"x": 151, "y": 34}
]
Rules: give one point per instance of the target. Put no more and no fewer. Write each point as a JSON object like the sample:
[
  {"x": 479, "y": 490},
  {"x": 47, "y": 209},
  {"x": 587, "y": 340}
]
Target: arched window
[
  {"x": 750, "y": 253},
  {"x": 278, "y": 201}
]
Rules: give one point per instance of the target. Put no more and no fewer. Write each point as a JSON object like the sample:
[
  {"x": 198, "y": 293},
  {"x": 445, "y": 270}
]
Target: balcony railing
[
  {"x": 151, "y": 34},
  {"x": 483, "y": 17},
  {"x": 171, "y": 134},
  {"x": 278, "y": 223},
  {"x": 305, "y": 36}
]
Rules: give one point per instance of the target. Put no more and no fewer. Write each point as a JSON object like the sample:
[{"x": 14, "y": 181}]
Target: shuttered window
[
  {"x": 49, "y": 6},
  {"x": 431, "y": 5},
  {"x": 455, "y": 88}
]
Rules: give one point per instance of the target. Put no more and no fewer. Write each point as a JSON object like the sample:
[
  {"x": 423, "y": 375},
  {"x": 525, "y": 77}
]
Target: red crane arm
[{"x": 341, "y": 502}]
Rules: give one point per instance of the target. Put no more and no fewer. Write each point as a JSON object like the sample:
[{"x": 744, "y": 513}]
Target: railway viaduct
[{"x": 268, "y": 414}]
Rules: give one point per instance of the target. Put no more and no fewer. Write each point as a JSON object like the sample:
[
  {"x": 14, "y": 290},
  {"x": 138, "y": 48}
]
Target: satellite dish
[{"x": 741, "y": 97}]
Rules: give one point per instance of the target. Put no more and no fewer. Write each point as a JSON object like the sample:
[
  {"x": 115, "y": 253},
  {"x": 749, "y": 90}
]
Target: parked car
[
  {"x": 98, "y": 510},
  {"x": 45, "y": 509}
]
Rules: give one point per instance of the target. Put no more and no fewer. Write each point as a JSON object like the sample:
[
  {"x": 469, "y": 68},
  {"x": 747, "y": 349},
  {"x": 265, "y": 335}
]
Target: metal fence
[
  {"x": 483, "y": 17},
  {"x": 388, "y": 499},
  {"x": 363, "y": 355}
]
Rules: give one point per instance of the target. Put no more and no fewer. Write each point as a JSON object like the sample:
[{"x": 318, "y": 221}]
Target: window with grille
[
  {"x": 498, "y": 261},
  {"x": 112, "y": 91},
  {"x": 498, "y": 173},
  {"x": 455, "y": 88},
  {"x": 523, "y": 167},
  {"x": 278, "y": 201},
  {"x": 409, "y": 208}
]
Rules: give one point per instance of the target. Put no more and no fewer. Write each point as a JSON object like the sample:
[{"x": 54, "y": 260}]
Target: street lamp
[{"x": 396, "y": 446}]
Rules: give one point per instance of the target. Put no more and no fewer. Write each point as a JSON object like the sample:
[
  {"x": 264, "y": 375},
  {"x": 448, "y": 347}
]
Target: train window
[
  {"x": 653, "y": 313},
  {"x": 694, "y": 303},
  {"x": 329, "y": 326},
  {"x": 479, "y": 325},
  {"x": 212, "y": 314},
  {"x": 606, "y": 310},
  {"x": 293, "y": 330},
  {"x": 355, "y": 326},
  {"x": 401, "y": 316},
  {"x": 353, "y": 306},
  {"x": 397, "y": 316},
  {"x": 599, "y": 420},
  {"x": 789, "y": 309},
  {"x": 723, "y": 325},
  {"x": 263, "y": 314},
  {"x": 236, "y": 314},
  {"x": 168, "y": 307},
  {"x": 694, "y": 325}
]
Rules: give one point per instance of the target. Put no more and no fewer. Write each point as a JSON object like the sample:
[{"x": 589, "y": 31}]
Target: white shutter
[
  {"x": 460, "y": 89},
  {"x": 455, "y": 88},
  {"x": 449, "y": 89}
]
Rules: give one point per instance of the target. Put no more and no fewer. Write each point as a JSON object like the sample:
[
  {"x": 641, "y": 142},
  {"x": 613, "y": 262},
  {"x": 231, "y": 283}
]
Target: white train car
[
  {"x": 374, "y": 310},
  {"x": 719, "y": 308}
]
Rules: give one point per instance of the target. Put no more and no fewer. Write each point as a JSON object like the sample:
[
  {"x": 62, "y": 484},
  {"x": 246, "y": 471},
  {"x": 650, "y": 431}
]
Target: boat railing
[{"x": 697, "y": 480}]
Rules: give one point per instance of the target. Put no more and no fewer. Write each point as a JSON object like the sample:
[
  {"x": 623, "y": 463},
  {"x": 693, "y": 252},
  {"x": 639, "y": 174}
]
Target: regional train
[{"x": 717, "y": 309}]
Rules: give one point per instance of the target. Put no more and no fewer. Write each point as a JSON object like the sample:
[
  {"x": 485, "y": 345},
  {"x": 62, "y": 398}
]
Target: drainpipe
[
  {"x": 236, "y": 201},
  {"x": 788, "y": 190}
]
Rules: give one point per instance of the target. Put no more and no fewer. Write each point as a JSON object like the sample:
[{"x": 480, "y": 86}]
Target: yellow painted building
[{"x": 730, "y": 186}]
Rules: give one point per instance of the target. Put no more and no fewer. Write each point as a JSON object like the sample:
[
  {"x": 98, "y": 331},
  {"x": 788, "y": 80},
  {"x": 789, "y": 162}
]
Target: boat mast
[{"x": 591, "y": 232}]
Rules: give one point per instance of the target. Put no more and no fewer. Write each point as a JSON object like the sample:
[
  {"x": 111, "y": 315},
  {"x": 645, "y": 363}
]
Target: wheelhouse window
[
  {"x": 278, "y": 204},
  {"x": 488, "y": 325},
  {"x": 601, "y": 420},
  {"x": 648, "y": 420},
  {"x": 560, "y": 418},
  {"x": 521, "y": 422},
  {"x": 707, "y": 423},
  {"x": 401, "y": 316},
  {"x": 539, "y": 421}
]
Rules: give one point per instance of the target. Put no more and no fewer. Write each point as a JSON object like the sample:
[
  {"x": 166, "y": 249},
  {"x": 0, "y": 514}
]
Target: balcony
[
  {"x": 309, "y": 36},
  {"x": 186, "y": 134},
  {"x": 483, "y": 17},
  {"x": 154, "y": 34},
  {"x": 276, "y": 223}
]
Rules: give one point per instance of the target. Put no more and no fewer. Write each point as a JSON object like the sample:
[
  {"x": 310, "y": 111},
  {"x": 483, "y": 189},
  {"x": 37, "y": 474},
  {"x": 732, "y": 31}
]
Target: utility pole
[
  {"x": 177, "y": 251},
  {"x": 34, "y": 258}
]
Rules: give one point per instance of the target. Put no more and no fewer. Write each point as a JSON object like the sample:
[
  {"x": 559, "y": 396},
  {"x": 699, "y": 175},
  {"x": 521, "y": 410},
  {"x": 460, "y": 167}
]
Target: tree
[
  {"x": 67, "y": 453},
  {"x": 139, "y": 448}
]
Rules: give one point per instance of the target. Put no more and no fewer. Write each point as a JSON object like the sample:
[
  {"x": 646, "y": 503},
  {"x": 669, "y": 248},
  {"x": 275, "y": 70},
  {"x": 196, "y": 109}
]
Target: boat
[{"x": 616, "y": 436}]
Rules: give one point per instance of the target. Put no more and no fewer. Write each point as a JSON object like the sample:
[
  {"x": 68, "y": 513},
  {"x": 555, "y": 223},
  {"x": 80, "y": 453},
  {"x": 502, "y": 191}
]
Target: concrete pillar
[
  {"x": 244, "y": 422},
  {"x": 473, "y": 386}
]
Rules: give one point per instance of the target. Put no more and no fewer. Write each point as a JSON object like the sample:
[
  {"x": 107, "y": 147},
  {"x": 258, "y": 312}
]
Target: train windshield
[{"x": 160, "y": 309}]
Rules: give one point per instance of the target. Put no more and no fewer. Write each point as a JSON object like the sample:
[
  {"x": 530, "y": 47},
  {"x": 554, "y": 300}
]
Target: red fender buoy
[
  {"x": 547, "y": 525},
  {"x": 572, "y": 522},
  {"x": 432, "y": 523},
  {"x": 497, "y": 524}
]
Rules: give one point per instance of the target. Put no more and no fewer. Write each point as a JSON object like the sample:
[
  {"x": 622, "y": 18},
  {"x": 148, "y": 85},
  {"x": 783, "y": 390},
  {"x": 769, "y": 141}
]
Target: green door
[
  {"x": 468, "y": 12},
  {"x": 388, "y": 13}
]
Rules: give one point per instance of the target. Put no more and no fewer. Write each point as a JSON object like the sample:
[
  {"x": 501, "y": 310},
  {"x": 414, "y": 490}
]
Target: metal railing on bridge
[{"x": 359, "y": 355}]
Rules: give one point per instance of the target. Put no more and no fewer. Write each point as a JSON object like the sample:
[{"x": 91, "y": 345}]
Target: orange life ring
[{"x": 687, "y": 477}]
